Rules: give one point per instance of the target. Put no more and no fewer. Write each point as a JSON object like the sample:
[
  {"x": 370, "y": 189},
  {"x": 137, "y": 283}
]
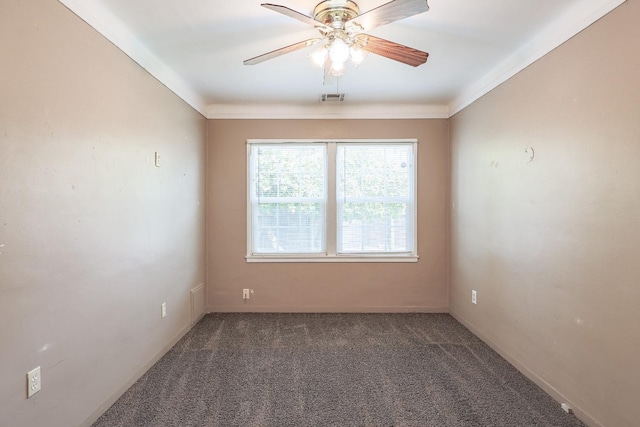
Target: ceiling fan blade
[
  {"x": 391, "y": 50},
  {"x": 281, "y": 51},
  {"x": 389, "y": 12},
  {"x": 295, "y": 15}
]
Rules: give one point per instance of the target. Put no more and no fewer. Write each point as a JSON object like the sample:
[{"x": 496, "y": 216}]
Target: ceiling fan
[{"x": 342, "y": 27}]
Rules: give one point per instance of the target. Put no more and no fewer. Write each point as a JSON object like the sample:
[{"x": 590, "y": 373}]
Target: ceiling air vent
[{"x": 332, "y": 97}]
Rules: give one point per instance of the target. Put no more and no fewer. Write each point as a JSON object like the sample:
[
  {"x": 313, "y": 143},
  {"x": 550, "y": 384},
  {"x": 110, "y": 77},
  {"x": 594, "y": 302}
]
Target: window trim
[{"x": 331, "y": 254}]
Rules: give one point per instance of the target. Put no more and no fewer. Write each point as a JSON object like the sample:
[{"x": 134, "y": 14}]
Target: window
[
  {"x": 331, "y": 201},
  {"x": 288, "y": 198}
]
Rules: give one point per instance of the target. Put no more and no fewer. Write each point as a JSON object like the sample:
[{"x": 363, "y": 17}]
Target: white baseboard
[
  {"x": 139, "y": 373},
  {"x": 298, "y": 309},
  {"x": 580, "y": 413}
]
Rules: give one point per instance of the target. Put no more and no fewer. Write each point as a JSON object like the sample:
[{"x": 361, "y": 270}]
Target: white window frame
[{"x": 331, "y": 254}]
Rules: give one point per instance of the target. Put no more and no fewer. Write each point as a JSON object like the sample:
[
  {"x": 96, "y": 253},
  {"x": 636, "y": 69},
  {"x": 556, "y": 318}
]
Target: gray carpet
[{"x": 333, "y": 370}]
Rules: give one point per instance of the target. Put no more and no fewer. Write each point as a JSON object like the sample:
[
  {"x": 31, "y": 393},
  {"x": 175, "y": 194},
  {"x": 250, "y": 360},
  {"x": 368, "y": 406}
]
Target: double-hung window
[{"x": 335, "y": 201}]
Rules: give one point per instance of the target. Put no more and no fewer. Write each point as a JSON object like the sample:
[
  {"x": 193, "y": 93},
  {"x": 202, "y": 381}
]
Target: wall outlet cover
[
  {"x": 34, "y": 382},
  {"x": 566, "y": 408}
]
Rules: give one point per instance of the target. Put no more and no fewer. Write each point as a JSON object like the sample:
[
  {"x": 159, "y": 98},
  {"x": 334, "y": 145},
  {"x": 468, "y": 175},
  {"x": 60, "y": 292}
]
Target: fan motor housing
[{"x": 335, "y": 13}]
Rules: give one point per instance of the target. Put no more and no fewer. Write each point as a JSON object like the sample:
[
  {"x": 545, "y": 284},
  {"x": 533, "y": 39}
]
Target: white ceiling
[{"x": 197, "y": 48}]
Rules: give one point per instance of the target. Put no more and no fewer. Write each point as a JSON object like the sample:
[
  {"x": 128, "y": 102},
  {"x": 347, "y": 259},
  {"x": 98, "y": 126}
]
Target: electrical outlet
[
  {"x": 566, "y": 408},
  {"x": 246, "y": 294},
  {"x": 34, "y": 382},
  {"x": 474, "y": 297},
  {"x": 163, "y": 310}
]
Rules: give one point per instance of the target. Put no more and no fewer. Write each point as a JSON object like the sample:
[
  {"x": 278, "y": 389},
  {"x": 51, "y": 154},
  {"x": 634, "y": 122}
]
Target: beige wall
[
  {"x": 420, "y": 286},
  {"x": 95, "y": 237},
  {"x": 552, "y": 246}
]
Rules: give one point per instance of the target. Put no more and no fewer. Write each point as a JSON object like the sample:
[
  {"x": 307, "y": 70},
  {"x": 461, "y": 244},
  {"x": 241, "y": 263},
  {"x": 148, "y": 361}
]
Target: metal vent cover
[{"x": 332, "y": 97}]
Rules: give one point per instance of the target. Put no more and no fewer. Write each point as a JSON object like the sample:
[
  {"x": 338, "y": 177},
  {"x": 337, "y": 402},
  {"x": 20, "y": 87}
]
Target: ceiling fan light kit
[{"x": 342, "y": 29}]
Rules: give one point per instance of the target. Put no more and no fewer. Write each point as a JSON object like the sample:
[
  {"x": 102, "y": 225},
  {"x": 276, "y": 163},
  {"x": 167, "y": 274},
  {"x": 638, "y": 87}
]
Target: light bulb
[
  {"x": 357, "y": 54},
  {"x": 339, "y": 51},
  {"x": 319, "y": 57},
  {"x": 337, "y": 69}
]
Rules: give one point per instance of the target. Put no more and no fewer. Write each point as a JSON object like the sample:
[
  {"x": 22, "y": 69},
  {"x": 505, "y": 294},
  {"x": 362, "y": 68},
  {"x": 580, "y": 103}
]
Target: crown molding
[
  {"x": 103, "y": 21},
  {"x": 553, "y": 35},
  {"x": 327, "y": 111}
]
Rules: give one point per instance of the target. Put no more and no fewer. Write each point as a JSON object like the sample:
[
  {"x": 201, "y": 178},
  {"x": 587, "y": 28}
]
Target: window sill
[{"x": 343, "y": 258}]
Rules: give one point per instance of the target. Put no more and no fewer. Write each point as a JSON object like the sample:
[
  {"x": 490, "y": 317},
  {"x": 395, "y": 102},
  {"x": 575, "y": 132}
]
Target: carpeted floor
[{"x": 333, "y": 370}]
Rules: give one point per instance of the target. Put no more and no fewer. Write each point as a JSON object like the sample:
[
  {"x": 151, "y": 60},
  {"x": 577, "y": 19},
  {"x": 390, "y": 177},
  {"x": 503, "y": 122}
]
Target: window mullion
[{"x": 331, "y": 213}]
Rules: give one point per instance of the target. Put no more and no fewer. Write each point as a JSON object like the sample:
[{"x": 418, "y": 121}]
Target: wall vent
[
  {"x": 332, "y": 97},
  {"x": 198, "y": 303}
]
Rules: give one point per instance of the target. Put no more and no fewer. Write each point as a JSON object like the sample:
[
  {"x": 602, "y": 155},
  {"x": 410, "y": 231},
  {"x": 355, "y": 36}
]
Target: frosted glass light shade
[
  {"x": 319, "y": 56},
  {"x": 339, "y": 51},
  {"x": 357, "y": 55},
  {"x": 337, "y": 68}
]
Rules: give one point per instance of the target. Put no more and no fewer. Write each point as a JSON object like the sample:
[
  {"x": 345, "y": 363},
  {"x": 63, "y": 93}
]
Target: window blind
[
  {"x": 288, "y": 198},
  {"x": 375, "y": 198}
]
